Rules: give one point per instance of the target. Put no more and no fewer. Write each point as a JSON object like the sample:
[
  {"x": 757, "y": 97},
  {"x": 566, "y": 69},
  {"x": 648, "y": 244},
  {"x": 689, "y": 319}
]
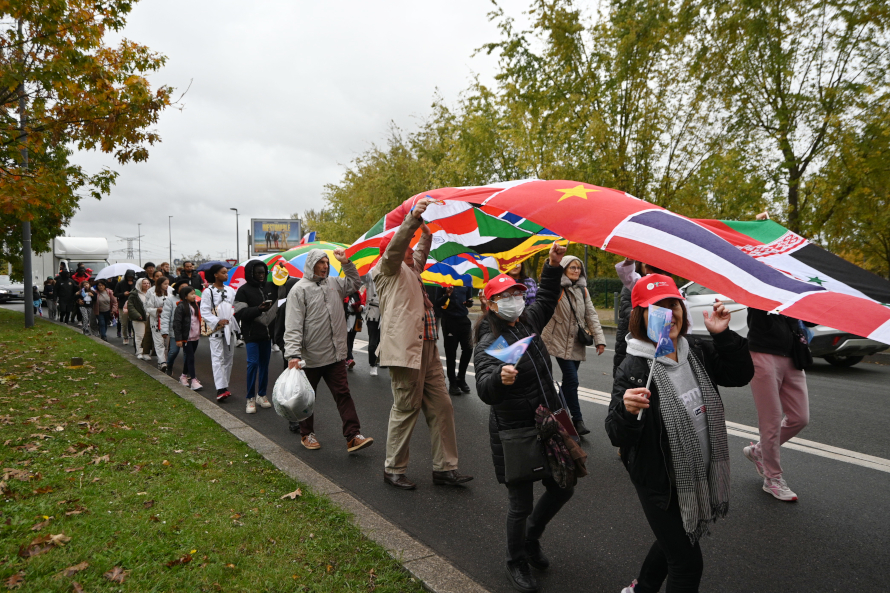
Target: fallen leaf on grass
[
  {"x": 42, "y": 544},
  {"x": 148, "y": 504},
  {"x": 15, "y": 580},
  {"x": 185, "y": 559},
  {"x": 76, "y": 511},
  {"x": 113, "y": 376},
  {"x": 41, "y": 525},
  {"x": 123, "y": 392},
  {"x": 293, "y": 495},
  {"x": 75, "y": 586},
  {"x": 117, "y": 574},
  {"x": 43, "y": 490},
  {"x": 98, "y": 460},
  {"x": 154, "y": 518},
  {"x": 165, "y": 462},
  {"x": 18, "y": 474},
  {"x": 73, "y": 570},
  {"x": 68, "y": 470}
]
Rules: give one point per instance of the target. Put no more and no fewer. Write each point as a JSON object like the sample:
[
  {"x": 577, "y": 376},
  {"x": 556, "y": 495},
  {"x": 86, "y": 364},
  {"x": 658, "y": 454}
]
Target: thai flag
[{"x": 308, "y": 238}]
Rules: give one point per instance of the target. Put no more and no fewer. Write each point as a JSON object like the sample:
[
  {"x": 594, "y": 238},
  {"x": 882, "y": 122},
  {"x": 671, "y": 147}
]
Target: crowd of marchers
[{"x": 666, "y": 416}]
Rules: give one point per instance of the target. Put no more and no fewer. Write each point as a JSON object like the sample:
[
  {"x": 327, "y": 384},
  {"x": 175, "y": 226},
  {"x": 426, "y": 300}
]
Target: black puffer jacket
[
  {"x": 513, "y": 406},
  {"x": 248, "y": 299},
  {"x": 645, "y": 450},
  {"x": 624, "y": 309}
]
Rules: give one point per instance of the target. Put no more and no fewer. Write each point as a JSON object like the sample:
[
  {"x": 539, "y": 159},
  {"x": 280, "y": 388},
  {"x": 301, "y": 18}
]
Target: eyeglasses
[
  {"x": 506, "y": 294},
  {"x": 573, "y": 269}
]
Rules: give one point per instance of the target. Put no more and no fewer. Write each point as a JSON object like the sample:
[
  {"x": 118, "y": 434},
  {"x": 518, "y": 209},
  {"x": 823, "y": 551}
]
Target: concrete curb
[{"x": 434, "y": 572}]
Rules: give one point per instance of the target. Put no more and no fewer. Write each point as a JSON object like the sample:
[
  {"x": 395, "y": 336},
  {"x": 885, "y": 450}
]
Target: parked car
[
  {"x": 11, "y": 291},
  {"x": 836, "y": 347}
]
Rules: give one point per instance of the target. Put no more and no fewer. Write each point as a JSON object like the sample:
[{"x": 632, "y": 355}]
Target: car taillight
[{"x": 836, "y": 340}]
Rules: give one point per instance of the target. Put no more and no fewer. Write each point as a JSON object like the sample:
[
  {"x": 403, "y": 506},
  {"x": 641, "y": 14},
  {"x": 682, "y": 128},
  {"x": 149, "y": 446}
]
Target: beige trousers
[{"x": 414, "y": 390}]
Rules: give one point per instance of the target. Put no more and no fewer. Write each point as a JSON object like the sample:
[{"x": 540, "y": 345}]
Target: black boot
[
  {"x": 521, "y": 577},
  {"x": 535, "y": 555},
  {"x": 453, "y": 389},
  {"x": 462, "y": 385},
  {"x": 582, "y": 430}
]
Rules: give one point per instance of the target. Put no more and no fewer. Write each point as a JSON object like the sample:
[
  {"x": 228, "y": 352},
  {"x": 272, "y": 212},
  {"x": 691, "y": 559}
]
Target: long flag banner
[
  {"x": 622, "y": 224},
  {"x": 471, "y": 243}
]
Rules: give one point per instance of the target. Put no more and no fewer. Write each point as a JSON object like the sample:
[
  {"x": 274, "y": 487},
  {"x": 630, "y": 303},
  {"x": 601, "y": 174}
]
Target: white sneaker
[
  {"x": 374, "y": 371},
  {"x": 755, "y": 457},
  {"x": 630, "y": 589},
  {"x": 251, "y": 406},
  {"x": 263, "y": 401},
  {"x": 239, "y": 343},
  {"x": 184, "y": 380},
  {"x": 196, "y": 385},
  {"x": 275, "y": 348},
  {"x": 779, "y": 489}
]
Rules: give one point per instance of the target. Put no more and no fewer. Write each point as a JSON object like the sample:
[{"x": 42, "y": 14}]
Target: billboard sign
[{"x": 273, "y": 235}]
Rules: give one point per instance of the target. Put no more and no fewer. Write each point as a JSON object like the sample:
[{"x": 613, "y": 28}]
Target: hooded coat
[
  {"x": 315, "y": 327},
  {"x": 561, "y": 334},
  {"x": 126, "y": 285},
  {"x": 136, "y": 302},
  {"x": 254, "y": 322}
]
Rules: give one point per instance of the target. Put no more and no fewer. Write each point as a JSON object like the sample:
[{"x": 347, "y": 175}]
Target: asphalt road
[{"x": 836, "y": 538}]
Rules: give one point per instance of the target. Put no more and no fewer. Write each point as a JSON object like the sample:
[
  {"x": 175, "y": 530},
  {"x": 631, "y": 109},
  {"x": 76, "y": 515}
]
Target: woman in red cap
[
  {"x": 676, "y": 454},
  {"x": 514, "y": 393}
]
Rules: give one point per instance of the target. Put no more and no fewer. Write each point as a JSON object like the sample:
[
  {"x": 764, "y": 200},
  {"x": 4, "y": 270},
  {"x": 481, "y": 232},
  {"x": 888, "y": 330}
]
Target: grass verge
[{"x": 112, "y": 482}]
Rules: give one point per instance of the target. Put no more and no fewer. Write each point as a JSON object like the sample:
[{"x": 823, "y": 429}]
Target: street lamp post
[
  {"x": 170, "y": 235},
  {"x": 237, "y": 237}
]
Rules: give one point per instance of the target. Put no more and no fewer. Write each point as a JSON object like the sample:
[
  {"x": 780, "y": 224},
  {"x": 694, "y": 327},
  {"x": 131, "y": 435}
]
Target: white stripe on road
[{"x": 751, "y": 432}]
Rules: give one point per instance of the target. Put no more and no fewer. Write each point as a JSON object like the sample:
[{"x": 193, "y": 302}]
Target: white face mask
[{"x": 510, "y": 308}]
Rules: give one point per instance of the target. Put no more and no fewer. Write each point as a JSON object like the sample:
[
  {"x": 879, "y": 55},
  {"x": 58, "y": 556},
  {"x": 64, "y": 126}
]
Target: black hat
[{"x": 149, "y": 264}]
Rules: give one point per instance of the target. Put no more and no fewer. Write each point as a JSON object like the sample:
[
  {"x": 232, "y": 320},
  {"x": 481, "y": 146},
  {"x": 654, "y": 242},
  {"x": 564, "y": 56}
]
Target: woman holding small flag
[
  {"x": 673, "y": 435},
  {"x": 514, "y": 392}
]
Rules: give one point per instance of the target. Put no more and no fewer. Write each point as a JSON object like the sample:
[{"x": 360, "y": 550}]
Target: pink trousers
[{"x": 778, "y": 389}]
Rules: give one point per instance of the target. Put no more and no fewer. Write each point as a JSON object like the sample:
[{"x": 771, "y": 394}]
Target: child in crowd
[{"x": 187, "y": 332}]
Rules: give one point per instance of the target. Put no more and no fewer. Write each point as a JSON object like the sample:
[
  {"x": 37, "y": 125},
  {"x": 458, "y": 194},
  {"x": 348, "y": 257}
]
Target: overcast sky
[{"x": 284, "y": 94}]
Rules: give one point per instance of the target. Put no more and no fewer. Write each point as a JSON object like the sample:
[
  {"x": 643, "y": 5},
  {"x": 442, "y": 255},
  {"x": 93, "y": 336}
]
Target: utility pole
[
  {"x": 237, "y": 234},
  {"x": 170, "y": 234},
  {"x": 139, "y": 235},
  {"x": 26, "y": 224}
]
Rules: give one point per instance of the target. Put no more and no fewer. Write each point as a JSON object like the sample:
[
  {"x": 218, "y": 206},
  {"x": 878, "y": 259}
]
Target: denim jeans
[
  {"x": 526, "y": 520},
  {"x": 188, "y": 367},
  {"x": 258, "y": 354},
  {"x": 569, "y": 370},
  {"x": 171, "y": 356},
  {"x": 104, "y": 320}
]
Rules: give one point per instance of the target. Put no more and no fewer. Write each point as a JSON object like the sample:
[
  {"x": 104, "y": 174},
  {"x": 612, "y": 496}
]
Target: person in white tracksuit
[
  {"x": 154, "y": 306},
  {"x": 218, "y": 311}
]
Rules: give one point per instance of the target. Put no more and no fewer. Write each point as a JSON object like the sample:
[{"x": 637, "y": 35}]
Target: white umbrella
[{"x": 117, "y": 270}]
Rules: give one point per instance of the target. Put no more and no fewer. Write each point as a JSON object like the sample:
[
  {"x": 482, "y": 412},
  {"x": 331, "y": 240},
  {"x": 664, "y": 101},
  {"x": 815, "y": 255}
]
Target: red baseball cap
[
  {"x": 499, "y": 284},
  {"x": 653, "y": 288}
]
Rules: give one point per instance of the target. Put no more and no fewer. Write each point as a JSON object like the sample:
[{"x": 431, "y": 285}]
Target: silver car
[
  {"x": 11, "y": 291},
  {"x": 836, "y": 347}
]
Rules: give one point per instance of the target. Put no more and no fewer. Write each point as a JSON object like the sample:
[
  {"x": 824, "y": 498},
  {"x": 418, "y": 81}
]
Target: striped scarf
[{"x": 703, "y": 493}]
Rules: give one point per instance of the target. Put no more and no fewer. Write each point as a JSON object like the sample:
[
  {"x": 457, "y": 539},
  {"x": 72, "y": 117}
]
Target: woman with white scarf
[
  {"x": 136, "y": 311},
  {"x": 673, "y": 435},
  {"x": 154, "y": 305}
]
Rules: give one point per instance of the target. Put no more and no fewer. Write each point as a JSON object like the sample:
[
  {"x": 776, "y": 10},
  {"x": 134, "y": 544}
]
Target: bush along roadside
[{"x": 112, "y": 482}]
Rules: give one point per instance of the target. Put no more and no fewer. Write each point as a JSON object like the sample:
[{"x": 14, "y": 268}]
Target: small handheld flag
[
  {"x": 308, "y": 238},
  {"x": 509, "y": 353},
  {"x": 659, "y": 331}
]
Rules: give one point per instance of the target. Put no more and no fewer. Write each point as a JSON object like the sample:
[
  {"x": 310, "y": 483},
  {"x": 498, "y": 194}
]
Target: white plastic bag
[{"x": 293, "y": 396}]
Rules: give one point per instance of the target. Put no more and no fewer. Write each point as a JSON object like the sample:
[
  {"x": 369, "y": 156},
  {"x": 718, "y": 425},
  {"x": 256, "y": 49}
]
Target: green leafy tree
[{"x": 63, "y": 88}]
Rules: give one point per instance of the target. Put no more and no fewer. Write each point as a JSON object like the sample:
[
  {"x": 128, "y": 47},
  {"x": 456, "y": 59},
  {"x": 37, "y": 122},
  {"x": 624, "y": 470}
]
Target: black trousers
[
  {"x": 373, "y": 341},
  {"x": 350, "y": 342},
  {"x": 526, "y": 520},
  {"x": 672, "y": 556},
  {"x": 456, "y": 332}
]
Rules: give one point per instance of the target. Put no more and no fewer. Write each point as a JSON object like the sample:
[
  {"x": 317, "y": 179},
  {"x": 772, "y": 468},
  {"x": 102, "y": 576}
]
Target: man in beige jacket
[{"x": 408, "y": 348}]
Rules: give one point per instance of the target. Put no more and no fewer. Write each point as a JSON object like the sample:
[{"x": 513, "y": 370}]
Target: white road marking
[{"x": 751, "y": 433}]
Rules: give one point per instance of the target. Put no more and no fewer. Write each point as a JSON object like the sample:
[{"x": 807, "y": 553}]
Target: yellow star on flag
[{"x": 579, "y": 191}]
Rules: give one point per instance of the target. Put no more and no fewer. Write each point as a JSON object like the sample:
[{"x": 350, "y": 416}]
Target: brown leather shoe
[
  {"x": 450, "y": 478},
  {"x": 399, "y": 481},
  {"x": 358, "y": 442},
  {"x": 310, "y": 442}
]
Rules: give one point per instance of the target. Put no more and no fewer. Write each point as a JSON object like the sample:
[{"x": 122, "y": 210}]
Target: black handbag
[
  {"x": 801, "y": 356},
  {"x": 583, "y": 337},
  {"x": 523, "y": 455}
]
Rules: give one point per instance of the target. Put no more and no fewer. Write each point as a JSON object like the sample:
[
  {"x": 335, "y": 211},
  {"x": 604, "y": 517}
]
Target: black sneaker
[
  {"x": 535, "y": 555},
  {"x": 521, "y": 577},
  {"x": 582, "y": 430},
  {"x": 453, "y": 389},
  {"x": 462, "y": 385}
]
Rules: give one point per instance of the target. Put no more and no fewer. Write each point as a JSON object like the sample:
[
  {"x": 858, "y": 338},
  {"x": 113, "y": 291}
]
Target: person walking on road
[
  {"x": 166, "y": 323},
  {"x": 154, "y": 305},
  {"x": 574, "y": 317},
  {"x": 85, "y": 302},
  {"x": 408, "y": 348},
  {"x": 372, "y": 319},
  {"x": 780, "y": 394},
  {"x": 50, "y": 296},
  {"x": 454, "y": 303},
  {"x": 190, "y": 276},
  {"x": 187, "y": 333},
  {"x": 255, "y": 311},
  {"x": 218, "y": 312},
  {"x": 353, "y": 305},
  {"x": 138, "y": 315},
  {"x": 514, "y": 393},
  {"x": 315, "y": 332},
  {"x": 66, "y": 289},
  {"x": 125, "y": 287},
  {"x": 677, "y": 454},
  {"x": 104, "y": 308}
]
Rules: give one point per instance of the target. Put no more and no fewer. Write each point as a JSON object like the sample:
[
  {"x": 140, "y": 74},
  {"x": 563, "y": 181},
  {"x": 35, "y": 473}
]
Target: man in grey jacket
[{"x": 315, "y": 333}]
